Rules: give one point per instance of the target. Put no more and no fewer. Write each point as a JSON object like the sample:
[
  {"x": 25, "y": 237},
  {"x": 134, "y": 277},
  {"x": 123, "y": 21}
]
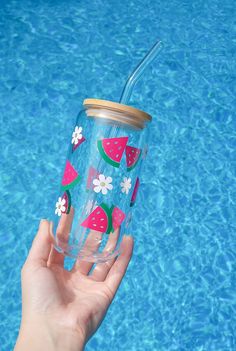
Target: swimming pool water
[{"x": 179, "y": 291}]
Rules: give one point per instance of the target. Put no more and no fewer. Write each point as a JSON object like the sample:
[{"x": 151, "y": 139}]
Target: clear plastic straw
[
  {"x": 128, "y": 88},
  {"x": 134, "y": 77}
]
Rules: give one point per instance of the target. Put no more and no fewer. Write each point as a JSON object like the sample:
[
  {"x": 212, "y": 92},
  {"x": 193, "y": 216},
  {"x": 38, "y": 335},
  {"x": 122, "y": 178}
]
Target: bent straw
[{"x": 137, "y": 73}]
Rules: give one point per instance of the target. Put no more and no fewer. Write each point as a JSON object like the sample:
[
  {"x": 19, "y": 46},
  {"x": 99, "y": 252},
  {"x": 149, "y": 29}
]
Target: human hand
[{"x": 62, "y": 309}]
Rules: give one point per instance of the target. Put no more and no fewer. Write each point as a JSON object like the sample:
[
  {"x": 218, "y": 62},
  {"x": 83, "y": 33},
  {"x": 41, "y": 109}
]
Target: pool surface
[{"x": 180, "y": 289}]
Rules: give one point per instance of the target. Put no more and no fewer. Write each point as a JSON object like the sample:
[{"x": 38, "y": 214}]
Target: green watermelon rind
[
  {"x": 69, "y": 201},
  {"x": 72, "y": 184},
  {"x": 105, "y": 156},
  {"x": 108, "y": 212},
  {"x": 111, "y": 209},
  {"x": 135, "y": 163}
]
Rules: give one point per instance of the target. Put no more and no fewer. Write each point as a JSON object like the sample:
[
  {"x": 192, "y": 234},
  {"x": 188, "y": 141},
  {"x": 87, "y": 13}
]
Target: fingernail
[
  {"x": 128, "y": 236},
  {"x": 41, "y": 222}
]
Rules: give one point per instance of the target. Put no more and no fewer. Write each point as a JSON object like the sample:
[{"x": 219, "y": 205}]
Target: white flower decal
[
  {"x": 102, "y": 184},
  {"x": 125, "y": 185},
  {"x": 60, "y": 206},
  {"x": 91, "y": 205},
  {"x": 77, "y": 135}
]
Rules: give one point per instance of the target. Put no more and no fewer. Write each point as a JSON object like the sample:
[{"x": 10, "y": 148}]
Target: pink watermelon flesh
[
  {"x": 93, "y": 173},
  {"x": 132, "y": 156},
  {"x": 134, "y": 195},
  {"x": 67, "y": 197},
  {"x": 112, "y": 149},
  {"x": 74, "y": 147},
  {"x": 70, "y": 177},
  {"x": 117, "y": 217},
  {"x": 97, "y": 220}
]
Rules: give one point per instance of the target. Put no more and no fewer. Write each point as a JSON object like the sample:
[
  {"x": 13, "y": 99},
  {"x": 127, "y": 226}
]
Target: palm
[{"x": 74, "y": 297}]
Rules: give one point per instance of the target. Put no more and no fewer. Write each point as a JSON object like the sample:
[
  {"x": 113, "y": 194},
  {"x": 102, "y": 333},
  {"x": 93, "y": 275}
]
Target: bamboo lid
[{"x": 135, "y": 116}]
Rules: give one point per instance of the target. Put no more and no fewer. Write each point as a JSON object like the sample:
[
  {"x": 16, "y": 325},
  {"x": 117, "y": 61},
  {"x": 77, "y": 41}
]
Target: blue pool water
[{"x": 180, "y": 289}]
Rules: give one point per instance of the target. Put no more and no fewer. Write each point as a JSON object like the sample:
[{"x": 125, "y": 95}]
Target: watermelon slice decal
[
  {"x": 112, "y": 149},
  {"x": 67, "y": 204},
  {"x": 134, "y": 195},
  {"x": 132, "y": 157},
  {"x": 117, "y": 217},
  {"x": 70, "y": 177},
  {"x": 100, "y": 219},
  {"x": 92, "y": 174},
  {"x": 80, "y": 141},
  {"x": 104, "y": 219}
]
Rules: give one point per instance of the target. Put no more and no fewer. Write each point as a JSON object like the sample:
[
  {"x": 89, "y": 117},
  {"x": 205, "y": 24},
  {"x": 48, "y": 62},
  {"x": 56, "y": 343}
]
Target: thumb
[{"x": 41, "y": 246}]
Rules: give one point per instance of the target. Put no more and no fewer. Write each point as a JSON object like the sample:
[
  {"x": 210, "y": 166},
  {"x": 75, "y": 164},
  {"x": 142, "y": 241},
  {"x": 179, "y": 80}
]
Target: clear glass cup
[{"x": 100, "y": 180}]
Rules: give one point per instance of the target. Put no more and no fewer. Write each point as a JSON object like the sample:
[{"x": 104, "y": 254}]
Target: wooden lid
[{"x": 137, "y": 116}]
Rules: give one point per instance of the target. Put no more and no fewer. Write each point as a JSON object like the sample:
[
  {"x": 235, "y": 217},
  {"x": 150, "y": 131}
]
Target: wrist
[{"x": 39, "y": 335}]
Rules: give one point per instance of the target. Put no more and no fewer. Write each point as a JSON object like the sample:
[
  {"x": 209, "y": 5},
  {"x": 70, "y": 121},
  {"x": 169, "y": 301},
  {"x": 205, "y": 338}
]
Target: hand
[{"x": 62, "y": 309}]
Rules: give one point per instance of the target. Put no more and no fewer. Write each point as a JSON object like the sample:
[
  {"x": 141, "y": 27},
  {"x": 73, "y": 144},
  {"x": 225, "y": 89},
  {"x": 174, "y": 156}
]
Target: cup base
[{"x": 85, "y": 255}]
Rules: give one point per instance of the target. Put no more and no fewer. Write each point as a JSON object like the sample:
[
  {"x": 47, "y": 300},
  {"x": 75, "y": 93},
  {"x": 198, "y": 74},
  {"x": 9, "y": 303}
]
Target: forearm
[{"x": 39, "y": 336}]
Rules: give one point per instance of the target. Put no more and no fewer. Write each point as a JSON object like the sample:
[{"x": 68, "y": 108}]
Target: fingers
[
  {"x": 101, "y": 269},
  {"x": 91, "y": 244},
  {"x": 117, "y": 271},
  {"x": 41, "y": 245},
  {"x": 62, "y": 235}
]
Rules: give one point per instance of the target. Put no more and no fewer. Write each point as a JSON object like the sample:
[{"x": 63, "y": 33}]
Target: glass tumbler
[{"x": 100, "y": 180}]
